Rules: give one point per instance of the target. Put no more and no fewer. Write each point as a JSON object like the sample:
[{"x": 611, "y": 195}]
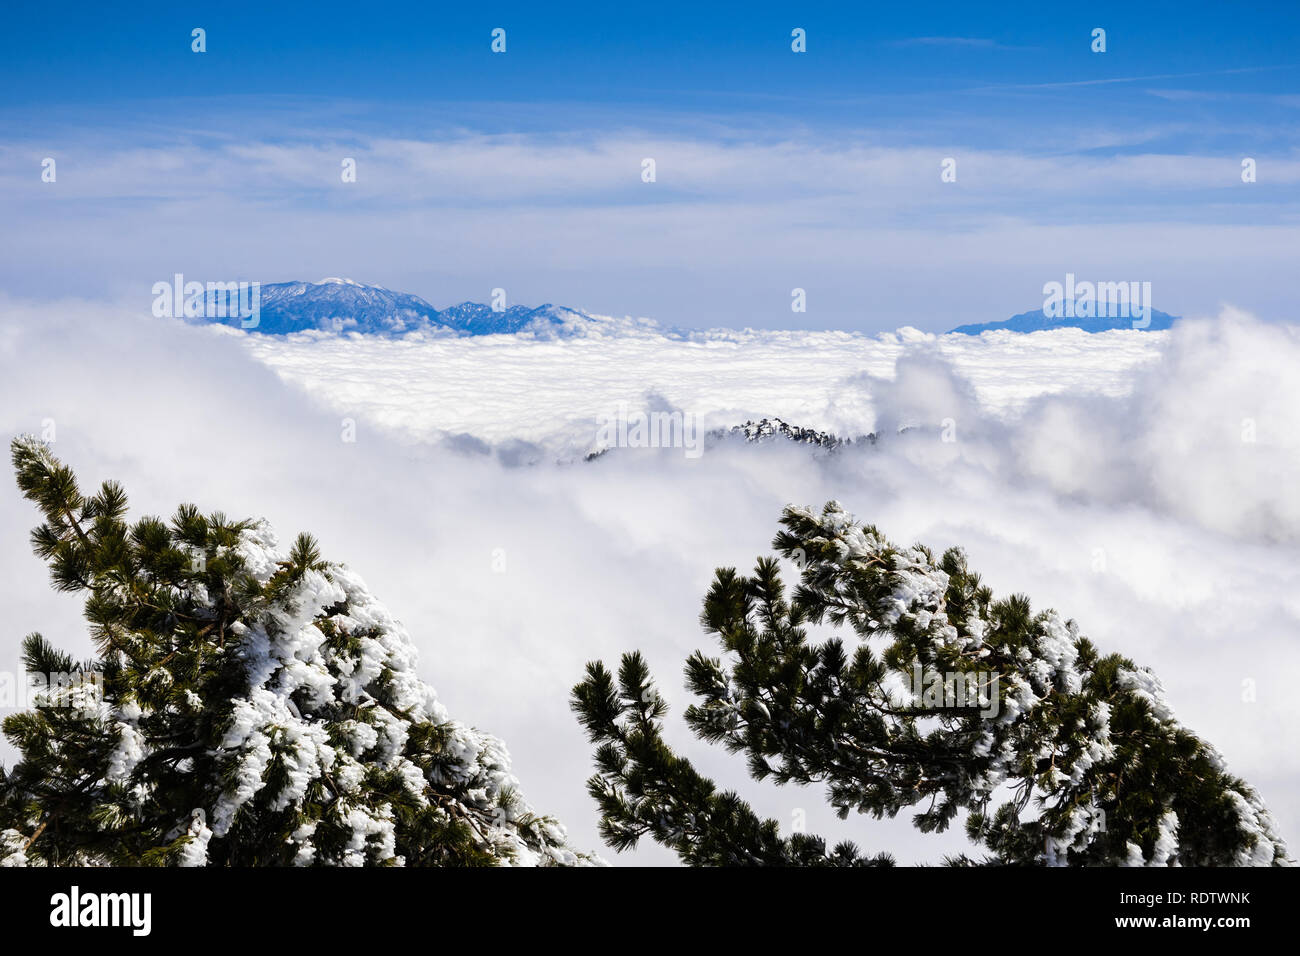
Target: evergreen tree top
[
  {"x": 943, "y": 699},
  {"x": 248, "y": 706}
]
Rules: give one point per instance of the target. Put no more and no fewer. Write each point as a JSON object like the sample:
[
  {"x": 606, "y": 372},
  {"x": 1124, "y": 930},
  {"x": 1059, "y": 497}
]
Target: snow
[
  {"x": 286, "y": 653},
  {"x": 1144, "y": 684},
  {"x": 1166, "y": 845},
  {"x": 918, "y": 588},
  {"x": 285, "y": 656},
  {"x": 195, "y": 851},
  {"x": 13, "y": 847},
  {"x": 1058, "y": 650},
  {"x": 130, "y": 749},
  {"x": 1257, "y": 823}
]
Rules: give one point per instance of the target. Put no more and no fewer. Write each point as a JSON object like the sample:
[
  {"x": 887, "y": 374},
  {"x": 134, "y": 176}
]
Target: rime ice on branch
[
  {"x": 1092, "y": 764},
  {"x": 258, "y": 708}
]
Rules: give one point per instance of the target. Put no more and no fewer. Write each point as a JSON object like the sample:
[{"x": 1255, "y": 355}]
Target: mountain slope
[
  {"x": 339, "y": 305},
  {"x": 475, "y": 318}
]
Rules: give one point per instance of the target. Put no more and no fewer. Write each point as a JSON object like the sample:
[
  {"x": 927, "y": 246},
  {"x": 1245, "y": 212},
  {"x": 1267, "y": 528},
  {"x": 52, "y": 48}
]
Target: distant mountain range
[
  {"x": 342, "y": 305},
  {"x": 1037, "y": 322}
]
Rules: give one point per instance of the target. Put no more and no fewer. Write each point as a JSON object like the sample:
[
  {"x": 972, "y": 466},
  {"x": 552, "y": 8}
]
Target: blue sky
[
  {"x": 684, "y": 56},
  {"x": 775, "y": 170}
]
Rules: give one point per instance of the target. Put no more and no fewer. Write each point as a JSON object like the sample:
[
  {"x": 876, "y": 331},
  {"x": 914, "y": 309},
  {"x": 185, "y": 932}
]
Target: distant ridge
[
  {"x": 773, "y": 429},
  {"x": 1038, "y": 321},
  {"x": 343, "y": 305}
]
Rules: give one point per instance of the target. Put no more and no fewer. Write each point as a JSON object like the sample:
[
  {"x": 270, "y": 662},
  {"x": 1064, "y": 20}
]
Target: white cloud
[
  {"x": 553, "y": 393},
  {"x": 590, "y": 168},
  {"x": 736, "y": 218}
]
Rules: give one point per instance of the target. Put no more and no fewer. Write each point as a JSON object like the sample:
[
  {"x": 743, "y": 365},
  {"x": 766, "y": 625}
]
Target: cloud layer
[
  {"x": 1128, "y": 500},
  {"x": 737, "y": 216}
]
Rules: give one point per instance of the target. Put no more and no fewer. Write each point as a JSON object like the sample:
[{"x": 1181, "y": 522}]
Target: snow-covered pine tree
[
  {"x": 1090, "y": 761},
  {"x": 643, "y": 787},
  {"x": 247, "y": 707}
]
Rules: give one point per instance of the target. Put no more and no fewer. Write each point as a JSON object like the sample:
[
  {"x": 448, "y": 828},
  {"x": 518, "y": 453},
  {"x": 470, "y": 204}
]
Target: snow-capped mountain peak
[{"x": 336, "y": 304}]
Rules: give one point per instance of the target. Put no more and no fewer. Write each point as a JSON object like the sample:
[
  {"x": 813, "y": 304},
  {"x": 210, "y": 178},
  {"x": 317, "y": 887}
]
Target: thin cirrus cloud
[
  {"x": 477, "y": 167},
  {"x": 1141, "y": 78}
]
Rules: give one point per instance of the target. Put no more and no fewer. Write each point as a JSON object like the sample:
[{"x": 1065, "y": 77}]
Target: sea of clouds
[{"x": 1141, "y": 483}]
